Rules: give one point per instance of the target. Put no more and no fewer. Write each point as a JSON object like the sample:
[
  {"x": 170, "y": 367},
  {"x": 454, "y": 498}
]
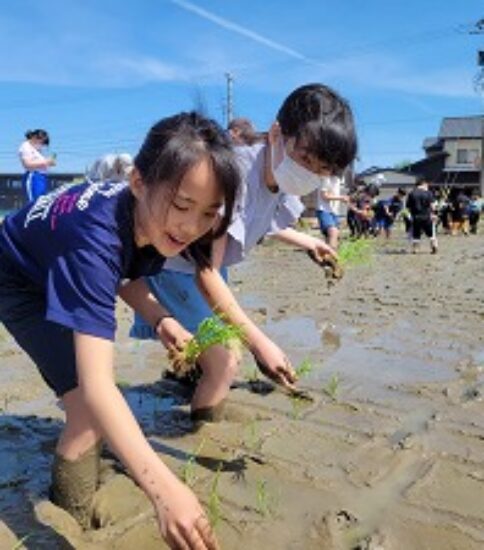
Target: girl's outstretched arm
[
  {"x": 182, "y": 521},
  {"x": 223, "y": 302},
  {"x": 305, "y": 241}
]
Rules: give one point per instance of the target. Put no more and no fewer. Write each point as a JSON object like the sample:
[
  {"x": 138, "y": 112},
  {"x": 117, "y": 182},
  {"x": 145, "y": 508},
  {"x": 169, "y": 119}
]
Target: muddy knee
[{"x": 74, "y": 483}]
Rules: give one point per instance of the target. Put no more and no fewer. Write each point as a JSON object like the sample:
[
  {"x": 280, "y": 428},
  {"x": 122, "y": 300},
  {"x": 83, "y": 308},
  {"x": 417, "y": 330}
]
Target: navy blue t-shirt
[{"x": 76, "y": 245}]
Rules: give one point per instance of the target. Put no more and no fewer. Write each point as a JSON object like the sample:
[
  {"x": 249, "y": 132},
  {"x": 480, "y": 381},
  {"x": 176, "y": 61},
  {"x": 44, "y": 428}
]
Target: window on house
[{"x": 467, "y": 156}]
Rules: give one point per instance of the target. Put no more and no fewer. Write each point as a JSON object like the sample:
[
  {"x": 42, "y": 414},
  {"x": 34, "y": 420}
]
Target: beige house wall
[{"x": 451, "y": 146}]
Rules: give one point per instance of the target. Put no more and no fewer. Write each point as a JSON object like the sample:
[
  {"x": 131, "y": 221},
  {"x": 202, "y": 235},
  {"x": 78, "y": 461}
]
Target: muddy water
[{"x": 388, "y": 455}]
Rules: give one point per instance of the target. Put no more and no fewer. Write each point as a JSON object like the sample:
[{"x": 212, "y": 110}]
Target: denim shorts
[
  {"x": 179, "y": 294},
  {"x": 383, "y": 223},
  {"x": 49, "y": 345},
  {"x": 327, "y": 220}
]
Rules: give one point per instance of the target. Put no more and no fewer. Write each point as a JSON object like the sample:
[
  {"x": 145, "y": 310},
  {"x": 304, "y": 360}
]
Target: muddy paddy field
[{"x": 388, "y": 455}]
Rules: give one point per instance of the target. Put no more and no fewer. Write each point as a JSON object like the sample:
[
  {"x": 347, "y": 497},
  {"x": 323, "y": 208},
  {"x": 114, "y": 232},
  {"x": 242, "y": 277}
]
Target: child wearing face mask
[
  {"x": 64, "y": 260},
  {"x": 34, "y": 181},
  {"x": 312, "y": 139}
]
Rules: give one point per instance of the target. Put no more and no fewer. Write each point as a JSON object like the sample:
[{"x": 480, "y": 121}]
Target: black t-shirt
[{"x": 419, "y": 203}]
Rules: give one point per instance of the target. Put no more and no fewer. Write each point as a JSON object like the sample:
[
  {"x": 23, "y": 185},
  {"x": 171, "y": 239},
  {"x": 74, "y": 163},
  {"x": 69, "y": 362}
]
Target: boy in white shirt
[{"x": 328, "y": 200}]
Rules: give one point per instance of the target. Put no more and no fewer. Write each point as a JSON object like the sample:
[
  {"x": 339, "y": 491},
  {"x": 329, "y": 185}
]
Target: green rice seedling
[
  {"x": 304, "y": 368},
  {"x": 211, "y": 331},
  {"x": 252, "y": 439},
  {"x": 214, "y": 506},
  {"x": 297, "y": 406},
  {"x": 265, "y": 502},
  {"x": 251, "y": 374},
  {"x": 332, "y": 387},
  {"x": 188, "y": 474},
  {"x": 355, "y": 252}
]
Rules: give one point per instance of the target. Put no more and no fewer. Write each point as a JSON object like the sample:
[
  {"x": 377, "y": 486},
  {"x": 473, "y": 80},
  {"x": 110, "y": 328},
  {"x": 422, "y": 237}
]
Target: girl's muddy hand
[
  {"x": 183, "y": 523},
  {"x": 287, "y": 375},
  {"x": 173, "y": 334},
  {"x": 282, "y": 374}
]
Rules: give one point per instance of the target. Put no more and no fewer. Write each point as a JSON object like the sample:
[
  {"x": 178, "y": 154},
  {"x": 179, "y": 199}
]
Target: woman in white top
[{"x": 34, "y": 181}]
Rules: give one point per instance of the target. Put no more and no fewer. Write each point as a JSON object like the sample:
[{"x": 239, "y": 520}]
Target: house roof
[
  {"x": 461, "y": 127},
  {"x": 433, "y": 159},
  {"x": 432, "y": 142},
  {"x": 373, "y": 170}
]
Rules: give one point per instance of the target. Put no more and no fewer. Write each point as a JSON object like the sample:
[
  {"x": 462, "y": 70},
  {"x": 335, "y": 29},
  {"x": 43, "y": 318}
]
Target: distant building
[
  {"x": 453, "y": 158},
  {"x": 388, "y": 180},
  {"x": 11, "y": 192}
]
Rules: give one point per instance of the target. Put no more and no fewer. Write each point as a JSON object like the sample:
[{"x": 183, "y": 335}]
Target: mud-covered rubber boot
[{"x": 74, "y": 483}]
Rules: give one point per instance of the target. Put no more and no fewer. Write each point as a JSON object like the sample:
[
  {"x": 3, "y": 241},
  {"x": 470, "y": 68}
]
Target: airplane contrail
[{"x": 229, "y": 25}]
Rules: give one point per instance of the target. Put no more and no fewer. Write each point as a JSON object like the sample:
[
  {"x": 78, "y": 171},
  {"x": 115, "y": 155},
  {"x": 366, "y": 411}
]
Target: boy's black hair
[
  {"x": 173, "y": 146},
  {"x": 39, "y": 134},
  {"x": 420, "y": 180},
  {"x": 401, "y": 191},
  {"x": 372, "y": 190},
  {"x": 318, "y": 117}
]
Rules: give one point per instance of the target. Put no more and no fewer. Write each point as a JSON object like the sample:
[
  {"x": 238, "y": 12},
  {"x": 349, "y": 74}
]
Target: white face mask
[{"x": 294, "y": 179}]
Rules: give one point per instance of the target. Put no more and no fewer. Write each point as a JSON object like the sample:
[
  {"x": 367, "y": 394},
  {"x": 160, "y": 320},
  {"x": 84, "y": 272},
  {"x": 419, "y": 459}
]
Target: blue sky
[{"x": 97, "y": 73}]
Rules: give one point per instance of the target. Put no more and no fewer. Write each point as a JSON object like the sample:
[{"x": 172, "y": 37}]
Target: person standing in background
[
  {"x": 475, "y": 209},
  {"x": 243, "y": 132},
  {"x": 328, "y": 200},
  {"x": 34, "y": 180},
  {"x": 420, "y": 205}
]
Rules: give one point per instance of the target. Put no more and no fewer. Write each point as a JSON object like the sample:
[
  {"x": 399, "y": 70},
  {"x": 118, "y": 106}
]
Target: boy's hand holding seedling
[{"x": 322, "y": 250}]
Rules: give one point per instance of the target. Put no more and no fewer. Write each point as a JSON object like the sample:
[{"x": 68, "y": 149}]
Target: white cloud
[{"x": 145, "y": 68}]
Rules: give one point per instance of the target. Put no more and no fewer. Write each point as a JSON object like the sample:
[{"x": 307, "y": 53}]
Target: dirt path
[{"x": 389, "y": 455}]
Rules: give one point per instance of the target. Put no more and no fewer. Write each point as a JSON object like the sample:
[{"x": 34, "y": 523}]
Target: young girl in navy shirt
[{"x": 64, "y": 259}]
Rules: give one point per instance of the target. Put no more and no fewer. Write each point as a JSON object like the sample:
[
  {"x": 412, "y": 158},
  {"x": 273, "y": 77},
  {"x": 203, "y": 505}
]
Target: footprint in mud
[{"x": 342, "y": 531}]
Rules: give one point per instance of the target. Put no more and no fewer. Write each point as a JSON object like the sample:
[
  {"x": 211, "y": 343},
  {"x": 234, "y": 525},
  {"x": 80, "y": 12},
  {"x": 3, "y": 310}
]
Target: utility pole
[
  {"x": 230, "y": 106},
  {"x": 479, "y": 86},
  {"x": 480, "y": 91}
]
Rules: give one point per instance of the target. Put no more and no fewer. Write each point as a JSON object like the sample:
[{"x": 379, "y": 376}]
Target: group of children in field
[
  {"x": 162, "y": 235},
  {"x": 420, "y": 211}
]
